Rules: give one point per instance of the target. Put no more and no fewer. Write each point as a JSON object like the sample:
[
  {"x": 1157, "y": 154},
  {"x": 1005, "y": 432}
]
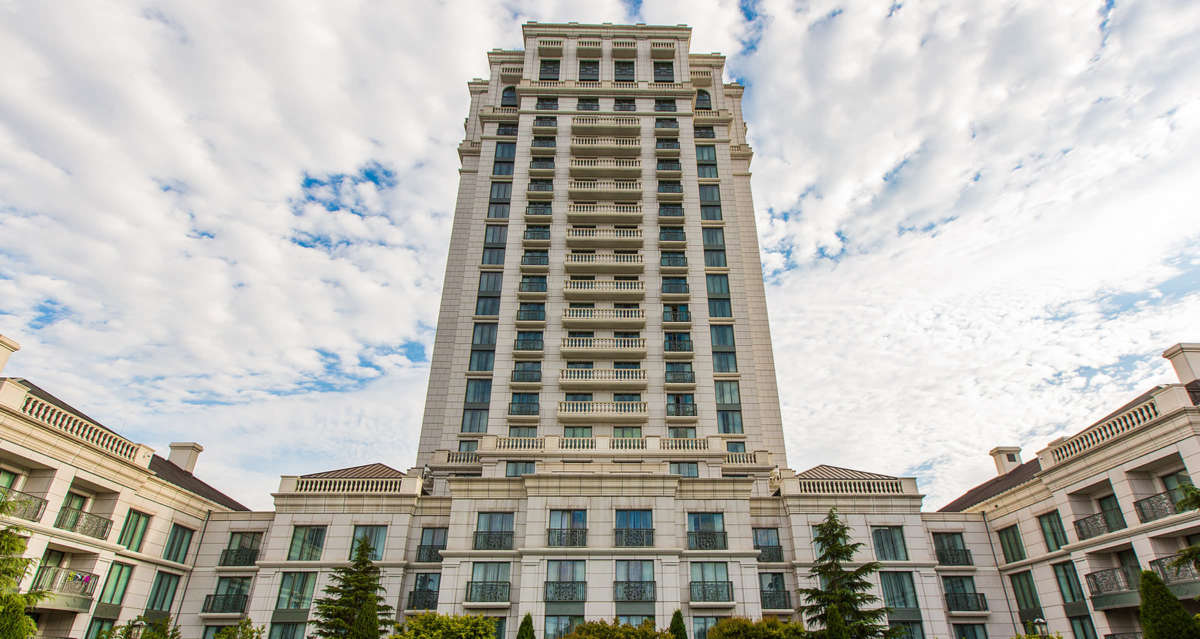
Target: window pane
[
  {"x": 374, "y": 535},
  {"x": 178, "y": 543},
  {"x": 307, "y": 542}
]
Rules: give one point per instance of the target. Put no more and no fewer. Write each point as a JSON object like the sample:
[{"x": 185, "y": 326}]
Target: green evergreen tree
[
  {"x": 678, "y": 629},
  {"x": 245, "y": 629},
  {"x": 434, "y": 626},
  {"x": 526, "y": 629},
  {"x": 1190, "y": 500},
  {"x": 835, "y": 624},
  {"x": 352, "y": 607},
  {"x": 849, "y": 589},
  {"x": 14, "y": 566},
  {"x": 1162, "y": 616}
]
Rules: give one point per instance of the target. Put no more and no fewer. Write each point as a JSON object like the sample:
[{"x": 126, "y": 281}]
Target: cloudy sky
[{"x": 228, "y": 221}]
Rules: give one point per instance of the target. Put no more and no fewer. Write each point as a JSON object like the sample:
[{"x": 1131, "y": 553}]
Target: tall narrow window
[
  {"x": 589, "y": 70},
  {"x": 307, "y": 542},
  {"x": 375, "y": 536},
  {"x": 1010, "y": 544},
  {"x": 178, "y": 543},
  {"x": 889, "y": 543},
  {"x": 162, "y": 593},
  {"x": 664, "y": 71},
  {"x": 548, "y": 70},
  {"x": 295, "y": 590},
  {"x": 623, "y": 71},
  {"x": 1052, "y": 530},
  {"x": 508, "y": 97},
  {"x": 703, "y": 100},
  {"x": 115, "y": 585},
  {"x": 134, "y": 530}
]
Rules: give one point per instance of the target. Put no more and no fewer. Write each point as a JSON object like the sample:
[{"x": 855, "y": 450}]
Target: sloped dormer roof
[
  {"x": 366, "y": 471},
  {"x": 825, "y": 471}
]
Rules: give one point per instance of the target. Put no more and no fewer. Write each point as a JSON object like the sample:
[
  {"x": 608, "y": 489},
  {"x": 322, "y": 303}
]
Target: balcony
[
  {"x": 541, "y": 167},
  {"x": 1113, "y": 588},
  {"x": 711, "y": 591},
  {"x": 604, "y": 289},
  {"x": 633, "y": 591},
  {"x": 238, "y": 557},
  {"x": 539, "y": 190},
  {"x": 539, "y": 212},
  {"x": 604, "y": 317},
  {"x": 593, "y": 237},
  {"x": 569, "y": 537},
  {"x": 534, "y": 289},
  {"x": 526, "y": 377},
  {"x": 602, "y": 189},
  {"x": 604, "y": 262},
  {"x": 1158, "y": 506},
  {"x": 461, "y": 457},
  {"x": 966, "y": 602},
  {"x": 1099, "y": 524},
  {"x": 590, "y": 146},
  {"x": 498, "y": 114},
  {"x": 1124, "y": 635},
  {"x": 666, "y": 148},
  {"x": 707, "y": 540},
  {"x": 566, "y": 591},
  {"x": 673, "y": 263},
  {"x": 671, "y": 170},
  {"x": 666, "y": 126},
  {"x": 537, "y": 263},
  {"x": 633, "y": 537},
  {"x": 680, "y": 317},
  {"x": 83, "y": 522},
  {"x": 606, "y": 167},
  {"x": 770, "y": 554},
  {"x": 430, "y": 553},
  {"x": 670, "y": 192},
  {"x": 488, "y": 591},
  {"x": 224, "y": 604},
  {"x": 718, "y": 116},
  {"x": 529, "y": 344},
  {"x": 422, "y": 600},
  {"x": 609, "y": 411},
  {"x": 954, "y": 557},
  {"x": 545, "y": 124},
  {"x": 671, "y": 236},
  {"x": 617, "y": 125},
  {"x": 604, "y": 346},
  {"x": 550, "y": 48},
  {"x": 675, "y": 291},
  {"x": 511, "y": 74},
  {"x": 676, "y": 348},
  {"x": 701, "y": 77},
  {"x": 524, "y": 409},
  {"x": 536, "y": 235},
  {"x": 24, "y": 505},
  {"x": 1182, "y": 580},
  {"x": 531, "y": 315},
  {"x": 69, "y": 589},
  {"x": 775, "y": 599},
  {"x": 588, "y": 49},
  {"x": 571, "y": 378},
  {"x": 494, "y": 539},
  {"x": 624, "y": 49},
  {"x": 607, "y": 212},
  {"x": 683, "y": 443}
]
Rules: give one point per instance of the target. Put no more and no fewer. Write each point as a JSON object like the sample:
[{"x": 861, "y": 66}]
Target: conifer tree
[
  {"x": 835, "y": 624},
  {"x": 352, "y": 607},
  {"x": 14, "y": 566},
  {"x": 526, "y": 629},
  {"x": 847, "y": 589},
  {"x": 1162, "y": 616},
  {"x": 678, "y": 629}
]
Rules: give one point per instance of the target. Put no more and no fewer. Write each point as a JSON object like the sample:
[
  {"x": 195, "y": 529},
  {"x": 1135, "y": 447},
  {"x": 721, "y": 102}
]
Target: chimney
[
  {"x": 1186, "y": 360},
  {"x": 1006, "y": 458},
  {"x": 7, "y": 347},
  {"x": 184, "y": 454}
]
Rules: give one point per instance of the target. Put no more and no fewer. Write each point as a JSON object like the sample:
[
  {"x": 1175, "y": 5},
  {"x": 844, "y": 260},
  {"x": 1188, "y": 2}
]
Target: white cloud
[{"x": 1037, "y": 220}]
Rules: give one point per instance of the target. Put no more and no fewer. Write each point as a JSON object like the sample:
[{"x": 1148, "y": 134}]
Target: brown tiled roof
[
  {"x": 994, "y": 486},
  {"x": 836, "y": 472},
  {"x": 366, "y": 471}
]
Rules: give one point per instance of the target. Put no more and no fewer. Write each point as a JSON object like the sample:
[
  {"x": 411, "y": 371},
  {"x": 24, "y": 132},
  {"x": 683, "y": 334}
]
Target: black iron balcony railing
[
  {"x": 681, "y": 377},
  {"x": 1120, "y": 579},
  {"x": 966, "y": 601},
  {"x": 624, "y": 106},
  {"x": 1158, "y": 506},
  {"x": 955, "y": 557},
  {"x": 65, "y": 581},
  {"x": 677, "y": 345},
  {"x": 535, "y": 260},
  {"x": 493, "y": 540},
  {"x": 775, "y": 599},
  {"x": 531, "y": 315},
  {"x": 672, "y": 235},
  {"x": 770, "y": 553},
  {"x": 541, "y": 186},
  {"x": 663, "y": 143},
  {"x": 524, "y": 408},
  {"x": 566, "y": 536},
  {"x": 539, "y": 209},
  {"x": 545, "y": 121},
  {"x": 430, "y": 553},
  {"x": 24, "y": 505},
  {"x": 544, "y": 143},
  {"x": 674, "y": 260},
  {"x": 83, "y": 522},
  {"x": 707, "y": 132},
  {"x": 682, "y": 410},
  {"x": 566, "y": 591},
  {"x": 225, "y": 603},
  {"x": 664, "y": 107},
  {"x": 422, "y": 600},
  {"x": 677, "y": 316},
  {"x": 527, "y": 376},
  {"x": 633, "y": 537},
  {"x": 1173, "y": 574},
  {"x": 528, "y": 344},
  {"x": 711, "y": 590},
  {"x": 675, "y": 287},
  {"x": 238, "y": 557},
  {"x": 533, "y": 286},
  {"x": 669, "y": 166},
  {"x": 666, "y": 124},
  {"x": 488, "y": 591},
  {"x": 537, "y": 234},
  {"x": 707, "y": 540},
  {"x": 670, "y": 187},
  {"x": 633, "y": 591},
  {"x": 541, "y": 164},
  {"x": 1099, "y": 524},
  {"x": 1124, "y": 635}
]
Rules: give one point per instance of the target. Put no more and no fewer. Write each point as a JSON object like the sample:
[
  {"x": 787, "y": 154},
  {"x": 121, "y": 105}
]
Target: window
[
  {"x": 162, "y": 593},
  {"x": 725, "y": 362},
  {"x": 178, "y": 543},
  {"x": 623, "y": 71},
  {"x": 494, "y": 256},
  {"x": 713, "y": 238},
  {"x": 484, "y": 335},
  {"x": 505, "y": 128},
  {"x": 522, "y": 431},
  {"x": 1068, "y": 582},
  {"x": 374, "y": 535},
  {"x": 1025, "y": 592},
  {"x": 705, "y": 132},
  {"x": 729, "y": 421},
  {"x": 291, "y": 630},
  {"x": 1082, "y": 627},
  {"x": 684, "y": 469},
  {"x": 295, "y": 590},
  {"x": 634, "y": 620},
  {"x": 518, "y": 468},
  {"x": 889, "y": 543},
  {"x": 499, "y": 621},
  {"x": 99, "y": 627},
  {"x": 490, "y": 282},
  {"x": 703, "y": 101},
  {"x": 307, "y": 542},
  {"x": 706, "y": 522},
  {"x": 898, "y": 589},
  {"x": 559, "y": 625},
  {"x": 710, "y": 193},
  {"x": 664, "y": 71},
  {"x": 468, "y": 445},
  {"x": 434, "y": 537},
  {"x": 624, "y": 104},
  {"x": 547, "y": 104},
  {"x": 566, "y": 570},
  {"x": 907, "y": 629},
  {"x": 498, "y": 211},
  {"x": 681, "y": 432},
  {"x": 664, "y": 104},
  {"x": 706, "y": 166},
  {"x": 669, "y": 210},
  {"x": 588, "y": 104},
  {"x": 670, "y": 186},
  {"x": 501, "y": 192},
  {"x": 635, "y": 519},
  {"x": 114, "y": 586},
  {"x": 475, "y": 420},
  {"x": 721, "y": 334},
  {"x": 1010, "y": 544},
  {"x": 718, "y": 285},
  {"x": 479, "y": 391},
  {"x": 715, "y": 258},
  {"x": 134, "y": 530},
  {"x": 589, "y": 70},
  {"x": 210, "y": 632},
  {"x": 503, "y": 163},
  {"x": 701, "y": 626},
  {"x": 7, "y": 478},
  {"x": 728, "y": 393},
  {"x": 1052, "y": 530},
  {"x": 548, "y": 70},
  {"x": 709, "y": 571},
  {"x": 233, "y": 585},
  {"x": 720, "y": 307},
  {"x": 970, "y": 631},
  {"x": 710, "y": 212},
  {"x": 487, "y": 306},
  {"x": 508, "y": 97}
]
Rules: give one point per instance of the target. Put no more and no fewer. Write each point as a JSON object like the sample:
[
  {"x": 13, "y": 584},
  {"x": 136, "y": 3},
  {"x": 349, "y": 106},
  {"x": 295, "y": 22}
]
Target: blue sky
[{"x": 228, "y": 221}]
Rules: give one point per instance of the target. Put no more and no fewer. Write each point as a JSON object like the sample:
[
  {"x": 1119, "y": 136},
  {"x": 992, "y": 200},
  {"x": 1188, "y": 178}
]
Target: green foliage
[
  {"x": 14, "y": 566},
  {"x": 526, "y": 629},
  {"x": 849, "y": 589},
  {"x": 678, "y": 629},
  {"x": 1034, "y": 635},
  {"x": 1162, "y": 615},
  {"x": 835, "y": 624},
  {"x": 144, "y": 629},
  {"x": 615, "y": 630},
  {"x": 434, "y": 626},
  {"x": 740, "y": 628},
  {"x": 14, "y": 623},
  {"x": 243, "y": 630},
  {"x": 1189, "y": 501},
  {"x": 353, "y": 607}
]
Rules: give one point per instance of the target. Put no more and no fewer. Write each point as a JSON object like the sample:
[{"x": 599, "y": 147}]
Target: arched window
[
  {"x": 703, "y": 101},
  {"x": 508, "y": 98}
]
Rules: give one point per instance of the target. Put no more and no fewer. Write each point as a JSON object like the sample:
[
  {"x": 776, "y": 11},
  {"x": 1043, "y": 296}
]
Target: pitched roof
[
  {"x": 366, "y": 471},
  {"x": 994, "y": 486},
  {"x": 44, "y": 395},
  {"x": 825, "y": 471}
]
